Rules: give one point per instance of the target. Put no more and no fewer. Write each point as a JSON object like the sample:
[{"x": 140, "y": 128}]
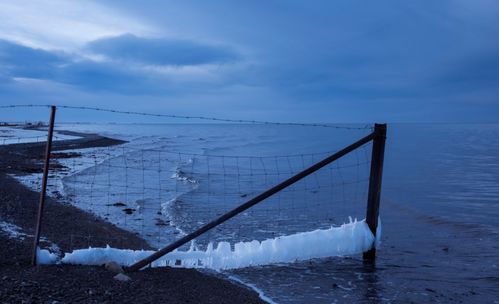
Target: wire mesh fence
[
  {"x": 159, "y": 191},
  {"x": 161, "y": 195}
]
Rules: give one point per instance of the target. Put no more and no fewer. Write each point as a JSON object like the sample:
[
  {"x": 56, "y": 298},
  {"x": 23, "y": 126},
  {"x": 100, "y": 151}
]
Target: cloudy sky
[{"x": 307, "y": 61}]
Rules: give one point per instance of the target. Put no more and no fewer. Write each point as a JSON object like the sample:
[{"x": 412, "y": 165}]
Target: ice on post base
[
  {"x": 45, "y": 257},
  {"x": 351, "y": 238}
]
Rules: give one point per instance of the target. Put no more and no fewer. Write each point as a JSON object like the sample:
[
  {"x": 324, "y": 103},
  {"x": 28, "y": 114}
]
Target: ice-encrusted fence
[{"x": 163, "y": 194}]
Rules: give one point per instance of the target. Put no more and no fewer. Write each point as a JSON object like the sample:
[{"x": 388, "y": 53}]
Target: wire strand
[{"x": 174, "y": 116}]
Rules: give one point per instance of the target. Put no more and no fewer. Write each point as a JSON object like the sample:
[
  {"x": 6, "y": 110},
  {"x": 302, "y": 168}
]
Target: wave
[
  {"x": 168, "y": 210},
  {"x": 183, "y": 177}
]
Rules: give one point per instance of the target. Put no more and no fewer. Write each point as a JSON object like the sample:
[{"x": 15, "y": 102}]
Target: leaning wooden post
[
  {"x": 376, "y": 176},
  {"x": 48, "y": 150}
]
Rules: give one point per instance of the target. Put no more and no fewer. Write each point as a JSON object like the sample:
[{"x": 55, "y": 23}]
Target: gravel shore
[{"x": 21, "y": 283}]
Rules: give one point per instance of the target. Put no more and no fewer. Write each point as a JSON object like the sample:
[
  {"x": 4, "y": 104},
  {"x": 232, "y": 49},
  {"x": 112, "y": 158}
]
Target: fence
[{"x": 168, "y": 190}]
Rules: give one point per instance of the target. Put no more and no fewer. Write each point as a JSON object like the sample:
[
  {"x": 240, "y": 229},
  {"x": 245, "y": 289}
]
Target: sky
[{"x": 295, "y": 61}]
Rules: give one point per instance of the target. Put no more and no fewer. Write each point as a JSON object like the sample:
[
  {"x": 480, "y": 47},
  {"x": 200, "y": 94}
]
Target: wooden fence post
[
  {"x": 43, "y": 191},
  {"x": 376, "y": 176}
]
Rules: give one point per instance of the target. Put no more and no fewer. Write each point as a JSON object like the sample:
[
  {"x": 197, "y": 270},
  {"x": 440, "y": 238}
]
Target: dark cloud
[
  {"x": 479, "y": 71},
  {"x": 161, "y": 51},
  {"x": 107, "y": 77},
  {"x": 21, "y": 61},
  {"x": 100, "y": 76},
  {"x": 25, "y": 62},
  {"x": 125, "y": 78}
]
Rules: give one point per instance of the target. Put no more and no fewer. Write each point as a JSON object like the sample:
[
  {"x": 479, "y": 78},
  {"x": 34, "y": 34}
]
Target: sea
[{"x": 439, "y": 203}]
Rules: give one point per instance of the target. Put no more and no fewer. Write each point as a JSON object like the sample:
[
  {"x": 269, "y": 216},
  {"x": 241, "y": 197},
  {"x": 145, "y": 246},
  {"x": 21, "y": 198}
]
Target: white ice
[
  {"x": 45, "y": 257},
  {"x": 348, "y": 239},
  {"x": 12, "y": 231}
]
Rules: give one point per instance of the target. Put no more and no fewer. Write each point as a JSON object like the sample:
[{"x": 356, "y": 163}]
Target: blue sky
[{"x": 307, "y": 61}]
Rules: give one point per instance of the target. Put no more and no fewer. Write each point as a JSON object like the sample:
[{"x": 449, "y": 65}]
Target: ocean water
[{"x": 439, "y": 209}]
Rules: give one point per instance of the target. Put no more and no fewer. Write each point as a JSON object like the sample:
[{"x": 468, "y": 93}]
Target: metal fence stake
[
  {"x": 44, "y": 184},
  {"x": 375, "y": 178}
]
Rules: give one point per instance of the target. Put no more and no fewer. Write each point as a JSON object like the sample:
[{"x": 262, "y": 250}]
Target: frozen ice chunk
[
  {"x": 351, "y": 238},
  {"x": 45, "y": 257}
]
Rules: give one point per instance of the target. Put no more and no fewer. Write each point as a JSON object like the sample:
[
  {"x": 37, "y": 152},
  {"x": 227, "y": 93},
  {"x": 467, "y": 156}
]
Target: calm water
[{"x": 440, "y": 202}]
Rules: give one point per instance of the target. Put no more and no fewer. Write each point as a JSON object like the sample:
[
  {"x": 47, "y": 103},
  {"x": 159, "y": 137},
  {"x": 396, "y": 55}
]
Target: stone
[
  {"x": 114, "y": 267},
  {"x": 122, "y": 277}
]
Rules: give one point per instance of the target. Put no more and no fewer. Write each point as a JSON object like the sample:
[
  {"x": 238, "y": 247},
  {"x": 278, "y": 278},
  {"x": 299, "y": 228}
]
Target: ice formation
[
  {"x": 12, "y": 231},
  {"x": 348, "y": 239},
  {"x": 45, "y": 257}
]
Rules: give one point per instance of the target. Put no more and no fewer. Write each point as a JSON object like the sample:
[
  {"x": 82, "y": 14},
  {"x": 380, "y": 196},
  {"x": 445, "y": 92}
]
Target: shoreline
[{"x": 18, "y": 206}]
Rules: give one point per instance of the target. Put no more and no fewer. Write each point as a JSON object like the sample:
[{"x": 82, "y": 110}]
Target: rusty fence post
[
  {"x": 375, "y": 178},
  {"x": 43, "y": 191}
]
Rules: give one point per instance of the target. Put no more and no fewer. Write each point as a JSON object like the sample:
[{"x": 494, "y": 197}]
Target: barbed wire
[{"x": 174, "y": 116}]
